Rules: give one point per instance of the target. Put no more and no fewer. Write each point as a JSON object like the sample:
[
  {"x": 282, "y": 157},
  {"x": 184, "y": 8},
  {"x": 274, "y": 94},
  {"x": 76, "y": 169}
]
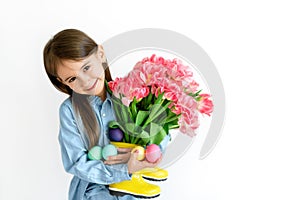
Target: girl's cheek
[
  {"x": 98, "y": 73},
  {"x": 74, "y": 86}
]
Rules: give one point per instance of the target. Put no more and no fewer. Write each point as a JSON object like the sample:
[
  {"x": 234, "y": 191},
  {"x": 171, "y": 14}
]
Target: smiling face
[{"x": 85, "y": 76}]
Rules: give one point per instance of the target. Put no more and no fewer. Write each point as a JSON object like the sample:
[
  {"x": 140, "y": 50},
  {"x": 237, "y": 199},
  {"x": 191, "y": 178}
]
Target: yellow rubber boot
[
  {"x": 137, "y": 187},
  {"x": 154, "y": 174}
]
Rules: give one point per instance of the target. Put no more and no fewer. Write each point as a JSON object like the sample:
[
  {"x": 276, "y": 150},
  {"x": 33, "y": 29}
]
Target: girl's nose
[{"x": 84, "y": 80}]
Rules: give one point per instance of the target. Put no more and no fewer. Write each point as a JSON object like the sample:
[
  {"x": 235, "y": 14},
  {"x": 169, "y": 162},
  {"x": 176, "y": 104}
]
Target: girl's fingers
[
  {"x": 117, "y": 157},
  {"x": 120, "y": 158},
  {"x": 148, "y": 164},
  {"x": 124, "y": 150},
  {"x": 113, "y": 160}
]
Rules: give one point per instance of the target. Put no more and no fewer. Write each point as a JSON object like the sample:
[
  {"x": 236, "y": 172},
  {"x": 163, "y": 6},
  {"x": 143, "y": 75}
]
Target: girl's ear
[{"x": 101, "y": 53}]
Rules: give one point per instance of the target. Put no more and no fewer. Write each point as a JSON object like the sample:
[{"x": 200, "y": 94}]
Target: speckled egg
[
  {"x": 141, "y": 152},
  {"x": 95, "y": 153},
  {"x": 109, "y": 150}
]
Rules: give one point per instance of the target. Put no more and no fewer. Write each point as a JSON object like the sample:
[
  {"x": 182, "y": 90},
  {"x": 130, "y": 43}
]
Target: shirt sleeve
[
  {"x": 164, "y": 143},
  {"x": 74, "y": 154}
]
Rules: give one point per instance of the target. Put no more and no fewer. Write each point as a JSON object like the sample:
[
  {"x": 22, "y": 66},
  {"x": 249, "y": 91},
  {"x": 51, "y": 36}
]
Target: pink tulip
[
  {"x": 126, "y": 101},
  {"x": 205, "y": 105},
  {"x": 170, "y": 77},
  {"x": 140, "y": 93}
]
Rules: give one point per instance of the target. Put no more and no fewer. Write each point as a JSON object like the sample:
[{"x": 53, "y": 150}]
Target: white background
[{"x": 255, "y": 47}]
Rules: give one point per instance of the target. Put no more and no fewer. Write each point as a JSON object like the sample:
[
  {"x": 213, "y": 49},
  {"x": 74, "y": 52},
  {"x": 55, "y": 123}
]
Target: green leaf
[
  {"x": 133, "y": 109},
  {"x": 195, "y": 94},
  {"x": 157, "y": 133},
  {"x": 133, "y": 131},
  {"x": 173, "y": 124},
  {"x": 172, "y": 118},
  {"x": 130, "y": 114},
  {"x": 124, "y": 112},
  {"x": 149, "y": 99},
  {"x": 144, "y": 138},
  {"x": 141, "y": 116},
  {"x": 159, "y": 99},
  {"x": 115, "y": 124},
  {"x": 155, "y": 111},
  {"x": 117, "y": 105},
  {"x": 198, "y": 98},
  {"x": 159, "y": 109},
  {"x": 130, "y": 131},
  {"x": 154, "y": 129},
  {"x": 166, "y": 128},
  {"x": 130, "y": 127}
]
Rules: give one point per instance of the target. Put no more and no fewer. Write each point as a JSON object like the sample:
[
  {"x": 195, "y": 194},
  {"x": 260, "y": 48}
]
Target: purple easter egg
[{"x": 116, "y": 135}]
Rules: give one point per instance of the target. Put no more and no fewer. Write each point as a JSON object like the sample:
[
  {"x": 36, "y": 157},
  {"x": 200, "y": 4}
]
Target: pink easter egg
[{"x": 153, "y": 153}]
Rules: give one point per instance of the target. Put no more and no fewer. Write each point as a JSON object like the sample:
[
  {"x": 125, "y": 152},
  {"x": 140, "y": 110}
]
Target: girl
[{"x": 77, "y": 66}]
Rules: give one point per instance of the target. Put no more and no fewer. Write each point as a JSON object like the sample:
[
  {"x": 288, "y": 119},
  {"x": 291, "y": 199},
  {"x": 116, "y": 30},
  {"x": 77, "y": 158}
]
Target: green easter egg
[
  {"x": 109, "y": 150},
  {"x": 95, "y": 153}
]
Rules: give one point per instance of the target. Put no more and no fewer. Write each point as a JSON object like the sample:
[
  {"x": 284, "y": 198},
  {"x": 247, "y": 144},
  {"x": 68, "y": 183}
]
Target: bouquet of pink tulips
[{"x": 157, "y": 95}]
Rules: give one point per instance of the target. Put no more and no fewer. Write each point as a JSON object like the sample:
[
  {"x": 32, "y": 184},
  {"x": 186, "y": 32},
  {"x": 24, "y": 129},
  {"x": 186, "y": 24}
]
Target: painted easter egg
[
  {"x": 153, "y": 153},
  {"x": 116, "y": 134},
  {"x": 109, "y": 150},
  {"x": 141, "y": 152},
  {"x": 95, "y": 153}
]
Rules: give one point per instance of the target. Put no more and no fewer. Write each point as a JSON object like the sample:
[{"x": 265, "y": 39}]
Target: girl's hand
[
  {"x": 122, "y": 157},
  {"x": 134, "y": 164}
]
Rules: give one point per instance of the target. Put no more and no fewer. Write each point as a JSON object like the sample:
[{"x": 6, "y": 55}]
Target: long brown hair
[{"x": 72, "y": 44}]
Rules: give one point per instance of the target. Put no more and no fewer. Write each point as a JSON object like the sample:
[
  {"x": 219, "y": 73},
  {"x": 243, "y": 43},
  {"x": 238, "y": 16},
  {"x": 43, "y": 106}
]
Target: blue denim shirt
[{"x": 90, "y": 176}]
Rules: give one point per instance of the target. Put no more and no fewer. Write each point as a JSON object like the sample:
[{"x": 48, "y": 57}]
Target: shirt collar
[{"x": 97, "y": 100}]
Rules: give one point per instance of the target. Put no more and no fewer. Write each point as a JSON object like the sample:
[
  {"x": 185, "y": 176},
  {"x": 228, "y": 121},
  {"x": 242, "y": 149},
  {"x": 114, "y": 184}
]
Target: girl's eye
[
  {"x": 86, "y": 68},
  {"x": 72, "y": 79}
]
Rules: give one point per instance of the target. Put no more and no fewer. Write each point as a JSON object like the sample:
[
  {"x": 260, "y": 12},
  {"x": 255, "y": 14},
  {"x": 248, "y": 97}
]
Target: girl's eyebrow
[{"x": 87, "y": 62}]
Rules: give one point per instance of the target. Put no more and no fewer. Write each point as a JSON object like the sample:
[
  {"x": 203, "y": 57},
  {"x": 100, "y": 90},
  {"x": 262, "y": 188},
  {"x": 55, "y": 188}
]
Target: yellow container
[{"x": 124, "y": 144}]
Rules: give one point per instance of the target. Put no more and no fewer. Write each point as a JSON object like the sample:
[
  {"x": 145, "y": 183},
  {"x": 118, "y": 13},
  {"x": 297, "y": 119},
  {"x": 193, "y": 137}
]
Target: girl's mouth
[{"x": 93, "y": 86}]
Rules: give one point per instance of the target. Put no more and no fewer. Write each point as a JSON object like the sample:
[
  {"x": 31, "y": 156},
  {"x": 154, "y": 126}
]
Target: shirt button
[{"x": 103, "y": 115}]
